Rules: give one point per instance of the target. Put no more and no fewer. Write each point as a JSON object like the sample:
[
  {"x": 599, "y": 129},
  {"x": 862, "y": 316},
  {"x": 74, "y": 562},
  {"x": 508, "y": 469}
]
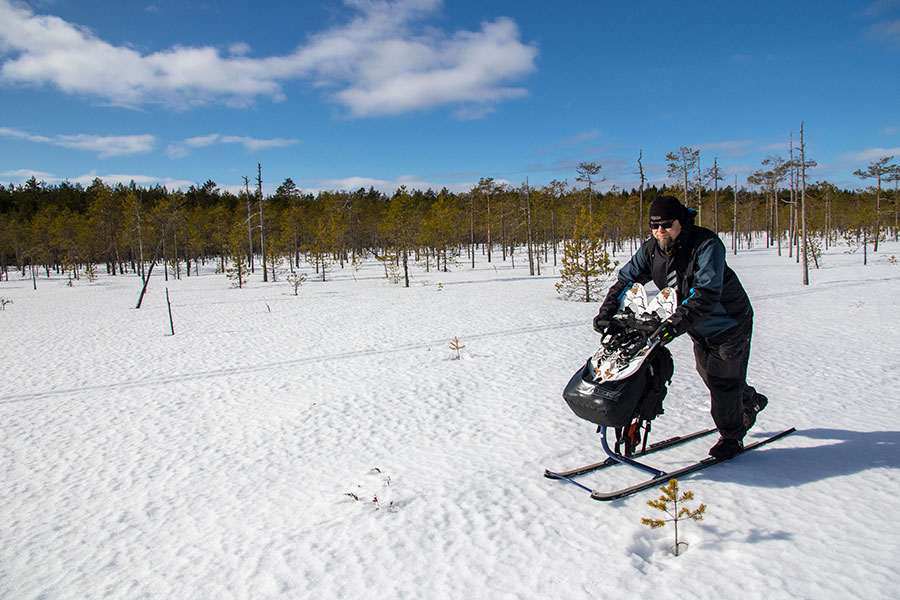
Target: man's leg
[{"x": 722, "y": 365}]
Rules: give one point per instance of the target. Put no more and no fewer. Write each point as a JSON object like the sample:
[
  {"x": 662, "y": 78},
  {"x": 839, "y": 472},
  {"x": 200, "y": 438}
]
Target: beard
[{"x": 666, "y": 244}]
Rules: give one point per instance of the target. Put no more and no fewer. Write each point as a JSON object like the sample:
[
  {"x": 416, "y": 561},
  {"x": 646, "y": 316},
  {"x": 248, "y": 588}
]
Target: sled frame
[{"x": 625, "y": 460}]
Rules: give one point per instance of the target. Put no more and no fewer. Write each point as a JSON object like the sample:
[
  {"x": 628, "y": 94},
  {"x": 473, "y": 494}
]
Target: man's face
[{"x": 665, "y": 236}]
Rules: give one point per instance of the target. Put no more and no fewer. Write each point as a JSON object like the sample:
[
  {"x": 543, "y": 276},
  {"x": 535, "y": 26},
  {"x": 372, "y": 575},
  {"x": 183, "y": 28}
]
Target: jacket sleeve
[
  {"x": 636, "y": 270},
  {"x": 706, "y": 290}
]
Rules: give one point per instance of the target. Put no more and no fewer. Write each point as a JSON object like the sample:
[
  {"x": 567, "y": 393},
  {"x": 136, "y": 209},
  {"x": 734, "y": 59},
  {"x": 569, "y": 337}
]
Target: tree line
[{"x": 128, "y": 229}]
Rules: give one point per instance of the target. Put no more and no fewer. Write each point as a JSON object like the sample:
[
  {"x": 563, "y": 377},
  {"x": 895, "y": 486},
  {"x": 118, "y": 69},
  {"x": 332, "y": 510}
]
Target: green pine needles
[
  {"x": 456, "y": 346},
  {"x": 670, "y": 494},
  {"x": 587, "y": 267}
]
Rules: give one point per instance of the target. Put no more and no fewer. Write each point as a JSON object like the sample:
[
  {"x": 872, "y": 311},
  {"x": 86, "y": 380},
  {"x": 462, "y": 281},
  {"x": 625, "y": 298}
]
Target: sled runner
[{"x": 657, "y": 477}]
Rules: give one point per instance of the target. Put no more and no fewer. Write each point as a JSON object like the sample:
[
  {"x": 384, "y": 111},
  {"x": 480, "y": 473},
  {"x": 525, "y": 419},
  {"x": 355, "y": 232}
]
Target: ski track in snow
[{"x": 220, "y": 462}]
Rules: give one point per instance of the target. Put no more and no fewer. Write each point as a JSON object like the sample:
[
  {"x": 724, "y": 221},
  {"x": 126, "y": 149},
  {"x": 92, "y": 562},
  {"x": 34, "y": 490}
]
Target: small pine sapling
[
  {"x": 296, "y": 279},
  {"x": 587, "y": 267},
  {"x": 90, "y": 270},
  {"x": 670, "y": 493},
  {"x": 455, "y": 345},
  {"x": 814, "y": 249}
]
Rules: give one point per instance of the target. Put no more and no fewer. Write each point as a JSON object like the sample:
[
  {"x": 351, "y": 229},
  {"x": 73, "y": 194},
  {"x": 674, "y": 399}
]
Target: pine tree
[
  {"x": 680, "y": 164},
  {"x": 240, "y": 266},
  {"x": 586, "y": 265},
  {"x": 879, "y": 170},
  {"x": 456, "y": 346},
  {"x": 670, "y": 493},
  {"x": 296, "y": 279}
]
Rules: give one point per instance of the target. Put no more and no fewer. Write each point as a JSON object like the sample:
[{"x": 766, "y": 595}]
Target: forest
[{"x": 127, "y": 229}]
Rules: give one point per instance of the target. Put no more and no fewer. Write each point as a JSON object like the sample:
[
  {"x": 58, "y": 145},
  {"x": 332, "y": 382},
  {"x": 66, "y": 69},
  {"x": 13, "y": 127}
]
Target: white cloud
[
  {"x": 253, "y": 144},
  {"x": 729, "y": 147},
  {"x": 105, "y": 146},
  {"x": 388, "y": 187},
  {"x": 887, "y": 31},
  {"x": 22, "y": 175},
  {"x": 781, "y": 147},
  {"x": 354, "y": 183},
  {"x": 184, "y": 147},
  {"x": 125, "y": 179},
  {"x": 239, "y": 49},
  {"x": 578, "y": 138},
  {"x": 383, "y": 62},
  {"x": 465, "y": 69},
  {"x": 871, "y": 154},
  {"x": 879, "y": 7}
]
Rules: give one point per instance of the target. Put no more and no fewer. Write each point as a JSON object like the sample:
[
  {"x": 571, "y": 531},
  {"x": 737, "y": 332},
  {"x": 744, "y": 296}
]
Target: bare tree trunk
[
  {"x": 490, "y": 242},
  {"x": 405, "y": 267},
  {"x": 262, "y": 230},
  {"x": 699, "y": 191},
  {"x": 793, "y": 226},
  {"x": 140, "y": 236},
  {"x": 896, "y": 176},
  {"x": 803, "y": 205},
  {"x": 249, "y": 223},
  {"x": 641, "y": 201},
  {"x": 878, "y": 211},
  {"x": 716, "y": 192},
  {"x": 734, "y": 231},
  {"x": 777, "y": 222},
  {"x": 528, "y": 225},
  {"x": 159, "y": 246},
  {"x": 472, "y": 231}
]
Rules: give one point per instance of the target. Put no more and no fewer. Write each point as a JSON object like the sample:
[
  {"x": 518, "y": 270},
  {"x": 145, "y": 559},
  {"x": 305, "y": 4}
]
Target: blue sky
[{"x": 342, "y": 94}]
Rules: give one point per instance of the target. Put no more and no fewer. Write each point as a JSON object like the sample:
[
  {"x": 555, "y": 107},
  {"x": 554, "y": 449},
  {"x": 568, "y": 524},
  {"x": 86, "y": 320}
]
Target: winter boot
[
  {"x": 726, "y": 448},
  {"x": 750, "y": 410}
]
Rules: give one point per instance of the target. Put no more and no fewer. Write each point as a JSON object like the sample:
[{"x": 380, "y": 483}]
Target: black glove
[
  {"x": 603, "y": 319},
  {"x": 666, "y": 333},
  {"x": 612, "y": 327},
  {"x": 601, "y": 322}
]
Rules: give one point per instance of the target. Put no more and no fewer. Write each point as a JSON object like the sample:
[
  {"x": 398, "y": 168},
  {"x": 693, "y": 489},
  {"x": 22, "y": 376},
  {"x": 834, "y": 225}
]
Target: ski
[
  {"x": 664, "y": 478},
  {"x": 655, "y": 447}
]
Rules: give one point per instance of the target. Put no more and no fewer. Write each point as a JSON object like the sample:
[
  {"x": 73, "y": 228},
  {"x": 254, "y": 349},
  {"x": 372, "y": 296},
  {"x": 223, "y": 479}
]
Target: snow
[{"x": 222, "y": 462}]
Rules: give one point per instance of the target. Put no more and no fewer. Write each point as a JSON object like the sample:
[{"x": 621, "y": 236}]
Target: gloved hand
[
  {"x": 666, "y": 333},
  {"x": 601, "y": 322},
  {"x": 611, "y": 327}
]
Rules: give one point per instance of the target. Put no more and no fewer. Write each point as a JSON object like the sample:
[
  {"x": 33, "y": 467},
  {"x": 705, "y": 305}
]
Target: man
[{"x": 713, "y": 309}]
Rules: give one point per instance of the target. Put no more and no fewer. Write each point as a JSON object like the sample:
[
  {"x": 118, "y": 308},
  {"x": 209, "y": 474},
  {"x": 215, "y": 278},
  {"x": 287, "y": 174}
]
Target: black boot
[
  {"x": 750, "y": 410},
  {"x": 726, "y": 448}
]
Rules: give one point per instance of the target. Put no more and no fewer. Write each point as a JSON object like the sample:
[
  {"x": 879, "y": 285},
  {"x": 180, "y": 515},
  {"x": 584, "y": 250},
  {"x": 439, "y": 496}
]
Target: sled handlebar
[{"x": 647, "y": 323}]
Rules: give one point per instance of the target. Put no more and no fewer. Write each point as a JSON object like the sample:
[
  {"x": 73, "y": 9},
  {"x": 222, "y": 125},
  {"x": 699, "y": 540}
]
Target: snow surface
[{"x": 219, "y": 462}]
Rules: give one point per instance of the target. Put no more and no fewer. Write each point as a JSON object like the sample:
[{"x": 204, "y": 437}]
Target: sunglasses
[{"x": 663, "y": 224}]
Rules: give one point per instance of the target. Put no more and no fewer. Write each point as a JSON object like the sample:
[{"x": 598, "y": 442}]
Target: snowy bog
[{"x": 331, "y": 445}]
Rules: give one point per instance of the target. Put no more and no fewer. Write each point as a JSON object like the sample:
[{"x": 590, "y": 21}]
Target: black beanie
[{"x": 666, "y": 208}]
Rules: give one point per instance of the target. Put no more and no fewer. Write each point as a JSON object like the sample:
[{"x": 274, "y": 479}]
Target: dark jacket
[{"x": 710, "y": 296}]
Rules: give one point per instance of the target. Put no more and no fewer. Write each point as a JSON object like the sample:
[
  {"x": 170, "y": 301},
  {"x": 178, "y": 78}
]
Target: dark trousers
[{"x": 722, "y": 364}]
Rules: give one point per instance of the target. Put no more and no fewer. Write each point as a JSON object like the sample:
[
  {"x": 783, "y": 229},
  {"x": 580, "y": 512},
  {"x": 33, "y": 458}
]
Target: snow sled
[{"x": 623, "y": 385}]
